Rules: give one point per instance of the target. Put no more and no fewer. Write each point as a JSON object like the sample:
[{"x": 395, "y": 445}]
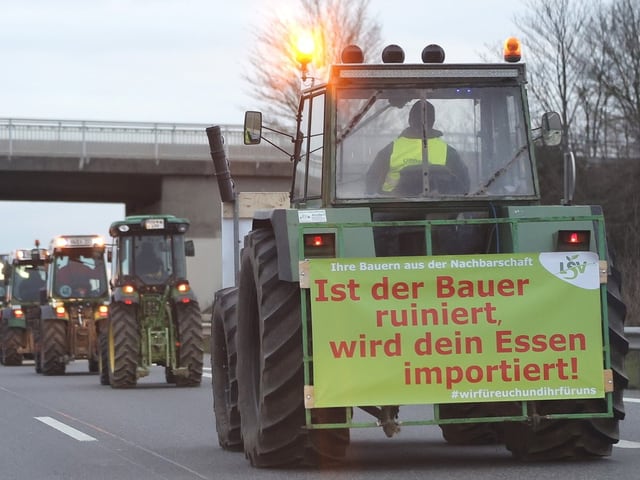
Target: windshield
[
  {"x": 432, "y": 143},
  {"x": 27, "y": 281},
  {"x": 80, "y": 275}
]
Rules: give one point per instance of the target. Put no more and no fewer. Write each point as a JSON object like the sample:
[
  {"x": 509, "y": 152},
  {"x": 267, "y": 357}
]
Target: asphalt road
[{"x": 71, "y": 427}]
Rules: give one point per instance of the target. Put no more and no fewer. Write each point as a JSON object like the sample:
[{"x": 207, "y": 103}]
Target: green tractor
[
  {"x": 154, "y": 316},
  {"x": 416, "y": 266},
  {"x": 24, "y": 273},
  {"x": 75, "y": 300}
]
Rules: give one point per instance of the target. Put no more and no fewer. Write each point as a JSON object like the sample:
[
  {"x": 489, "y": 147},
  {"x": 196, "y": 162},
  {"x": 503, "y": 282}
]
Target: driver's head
[{"x": 422, "y": 113}]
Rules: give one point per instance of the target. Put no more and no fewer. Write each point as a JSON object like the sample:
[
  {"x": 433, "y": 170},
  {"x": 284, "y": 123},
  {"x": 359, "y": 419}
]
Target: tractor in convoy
[
  {"x": 24, "y": 275},
  {"x": 416, "y": 278},
  {"x": 75, "y": 300},
  {"x": 154, "y": 316}
]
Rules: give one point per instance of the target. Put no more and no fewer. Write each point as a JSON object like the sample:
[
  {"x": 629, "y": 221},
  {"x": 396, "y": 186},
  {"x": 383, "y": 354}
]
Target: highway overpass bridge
[{"x": 148, "y": 167}]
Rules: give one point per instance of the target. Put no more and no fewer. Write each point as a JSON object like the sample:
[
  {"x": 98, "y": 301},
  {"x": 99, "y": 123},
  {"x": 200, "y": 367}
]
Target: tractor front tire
[
  {"x": 270, "y": 366},
  {"x": 123, "y": 346},
  {"x": 191, "y": 351},
  {"x": 224, "y": 324},
  {"x": 53, "y": 339},
  {"x": 479, "y": 433},
  {"x": 103, "y": 359}
]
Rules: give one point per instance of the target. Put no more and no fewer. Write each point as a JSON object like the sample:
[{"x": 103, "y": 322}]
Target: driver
[{"x": 397, "y": 169}]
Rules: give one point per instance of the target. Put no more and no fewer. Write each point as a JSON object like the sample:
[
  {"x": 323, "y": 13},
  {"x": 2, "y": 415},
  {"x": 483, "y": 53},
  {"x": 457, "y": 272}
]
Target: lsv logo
[
  {"x": 577, "y": 268},
  {"x": 570, "y": 269}
]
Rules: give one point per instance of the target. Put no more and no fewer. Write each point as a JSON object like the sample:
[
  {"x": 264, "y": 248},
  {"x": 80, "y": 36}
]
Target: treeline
[
  {"x": 583, "y": 61},
  {"x": 613, "y": 185}
]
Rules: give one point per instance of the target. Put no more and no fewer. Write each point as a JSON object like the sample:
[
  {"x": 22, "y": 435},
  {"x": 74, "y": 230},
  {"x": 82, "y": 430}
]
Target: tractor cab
[
  {"x": 77, "y": 267},
  {"x": 150, "y": 251},
  {"x": 25, "y": 274}
]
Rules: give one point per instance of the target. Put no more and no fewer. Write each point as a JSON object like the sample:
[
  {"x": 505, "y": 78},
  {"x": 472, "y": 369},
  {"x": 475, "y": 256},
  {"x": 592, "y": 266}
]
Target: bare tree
[
  {"x": 552, "y": 30},
  {"x": 274, "y": 73},
  {"x": 615, "y": 34}
]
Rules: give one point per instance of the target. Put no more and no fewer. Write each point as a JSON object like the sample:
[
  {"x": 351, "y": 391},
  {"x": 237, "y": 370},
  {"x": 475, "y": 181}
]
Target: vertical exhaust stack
[{"x": 220, "y": 164}]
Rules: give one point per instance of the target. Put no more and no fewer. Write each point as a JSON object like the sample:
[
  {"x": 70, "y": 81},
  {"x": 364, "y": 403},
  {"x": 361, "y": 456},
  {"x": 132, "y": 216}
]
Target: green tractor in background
[
  {"x": 24, "y": 273},
  {"x": 76, "y": 298},
  {"x": 154, "y": 316}
]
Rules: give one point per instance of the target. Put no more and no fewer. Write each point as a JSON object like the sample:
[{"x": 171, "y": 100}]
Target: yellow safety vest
[{"x": 407, "y": 152}]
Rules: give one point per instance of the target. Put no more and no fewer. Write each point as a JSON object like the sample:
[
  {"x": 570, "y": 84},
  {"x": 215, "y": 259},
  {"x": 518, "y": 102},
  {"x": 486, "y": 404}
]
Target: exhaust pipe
[{"x": 221, "y": 164}]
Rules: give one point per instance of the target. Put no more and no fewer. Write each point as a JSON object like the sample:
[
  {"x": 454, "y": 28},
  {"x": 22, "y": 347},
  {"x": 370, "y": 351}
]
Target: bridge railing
[{"x": 86, "y": 139}]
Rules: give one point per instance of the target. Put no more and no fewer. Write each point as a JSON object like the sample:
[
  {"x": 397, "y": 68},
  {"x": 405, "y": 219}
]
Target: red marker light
[
  {"x": 573, "y": 240},
  {"x": 319, "y": 245}
]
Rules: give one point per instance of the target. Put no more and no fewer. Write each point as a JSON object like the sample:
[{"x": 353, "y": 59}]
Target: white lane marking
[
  {"x": 66, "y": 429},
  {"x": 632, "y": 400},
  {"x": 627, "y": 444}
]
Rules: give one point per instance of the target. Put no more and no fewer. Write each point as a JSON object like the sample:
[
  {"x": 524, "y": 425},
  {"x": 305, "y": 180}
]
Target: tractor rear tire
[
  {"x": 270, "y": 366},
  {"x": 224, "y": 324},
  {"x": 567, "y": 439},
  {"x": 53, "y": 341},
  {"x": 123, "y": 346},
  {"x": 191, "y": 351},
  {"x": 103, "y": 359},
  {"x": 11, "y": 343}
]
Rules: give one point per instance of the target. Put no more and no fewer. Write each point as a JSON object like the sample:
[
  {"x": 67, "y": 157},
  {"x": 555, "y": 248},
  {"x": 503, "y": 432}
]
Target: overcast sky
[{"x": 175, "y": 61}]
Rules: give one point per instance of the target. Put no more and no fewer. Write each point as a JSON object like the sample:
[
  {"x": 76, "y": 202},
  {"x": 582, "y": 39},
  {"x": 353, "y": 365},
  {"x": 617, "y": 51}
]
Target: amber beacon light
[{"x": 512, "y": 50}]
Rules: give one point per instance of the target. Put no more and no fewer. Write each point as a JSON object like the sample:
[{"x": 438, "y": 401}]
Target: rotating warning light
[
  {"x": 392, "y": 54},
  {"x": 512, "y": 50},
  {"x": 433, "y": 54},
  {"x": 352, "y": 54}
]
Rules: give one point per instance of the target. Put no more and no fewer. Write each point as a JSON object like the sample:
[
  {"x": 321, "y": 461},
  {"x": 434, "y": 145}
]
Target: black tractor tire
[
  {"x": 11, "y": 343},
  {"x": 103, "y": 359},
  {"x": 53, "y": 343},
  {"x": 169, "y": 375},
  {"x": 569, "y": 439},
  {"x": 37, "y": 340},
  {"x": 123, "y": 335},
  {"x": 480, "y": 433},
  {"x": 191, "y": 351},
  {"x": 94, "y": 365},
  {"x": 37, "y": 361},
  {"x": 224, "y": 324},
  {"x": 270, "y": 367}
]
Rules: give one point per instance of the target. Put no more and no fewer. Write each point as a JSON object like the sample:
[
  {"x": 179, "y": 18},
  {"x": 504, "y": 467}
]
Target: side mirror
[
  {"x": 189, "y": 248},
  {"x": 252, "y": 128},
  {"x": 551, "y": 129}
]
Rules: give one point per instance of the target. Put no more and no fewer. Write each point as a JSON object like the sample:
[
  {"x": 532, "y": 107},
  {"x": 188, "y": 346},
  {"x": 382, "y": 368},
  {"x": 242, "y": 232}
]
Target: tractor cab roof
[{"x": 149, "y": 224}]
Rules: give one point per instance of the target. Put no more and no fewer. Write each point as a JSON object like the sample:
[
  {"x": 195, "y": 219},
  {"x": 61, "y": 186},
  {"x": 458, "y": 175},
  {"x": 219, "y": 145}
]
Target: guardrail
[
  {"x": 86, "y": 138},
  {"x": 633, "y": 335}
]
